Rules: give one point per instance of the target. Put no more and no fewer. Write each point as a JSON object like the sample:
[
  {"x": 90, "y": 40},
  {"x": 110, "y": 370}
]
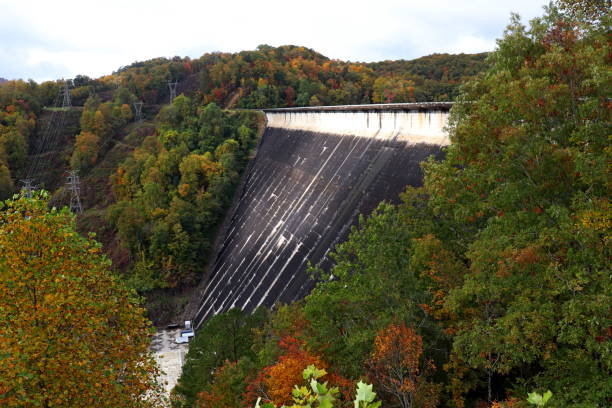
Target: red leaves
[{"x": 290, "y": 96}]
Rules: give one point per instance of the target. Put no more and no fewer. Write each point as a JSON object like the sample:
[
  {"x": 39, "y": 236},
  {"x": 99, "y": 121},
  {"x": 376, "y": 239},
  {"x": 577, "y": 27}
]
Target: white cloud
[
  {"x": 470, "y": 44},
  {"x": 44, "y": 39}
]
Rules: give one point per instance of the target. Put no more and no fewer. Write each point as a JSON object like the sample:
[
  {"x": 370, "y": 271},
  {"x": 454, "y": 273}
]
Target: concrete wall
[{"x": 316, "y": 170}]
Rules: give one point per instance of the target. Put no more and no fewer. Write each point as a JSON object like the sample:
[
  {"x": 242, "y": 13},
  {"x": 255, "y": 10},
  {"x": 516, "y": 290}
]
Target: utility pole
[
  {"x": 66, "y": 102},
  {"x": 172, "y": 88},
  {"x": 28, "y": 187},
  {"x": 74, "y": 185},
  {"x": 138, "y": 111}
]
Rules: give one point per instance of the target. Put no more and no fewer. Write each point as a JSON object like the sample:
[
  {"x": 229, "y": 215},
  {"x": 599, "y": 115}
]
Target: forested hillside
[
  {"x": 431, "y": 78},
  {"x": 298, "y": 76},
  {"x": 156, "y": 190},
  {"x": 489, "y": 283}
]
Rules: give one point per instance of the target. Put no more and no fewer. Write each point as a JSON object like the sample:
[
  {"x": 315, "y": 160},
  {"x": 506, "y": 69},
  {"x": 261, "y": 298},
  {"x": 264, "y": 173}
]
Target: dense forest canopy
[{"x": 298, "y": 76}]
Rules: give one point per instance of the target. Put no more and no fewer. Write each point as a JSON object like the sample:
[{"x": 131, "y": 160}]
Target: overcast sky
[{"x": 50, "y": 39}]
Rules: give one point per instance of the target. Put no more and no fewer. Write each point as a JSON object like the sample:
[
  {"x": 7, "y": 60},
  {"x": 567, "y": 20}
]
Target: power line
[{"x": 55, "y": 122}]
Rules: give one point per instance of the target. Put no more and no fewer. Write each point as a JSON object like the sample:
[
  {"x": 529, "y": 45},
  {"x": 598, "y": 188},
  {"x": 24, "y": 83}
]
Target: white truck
[{"x": 186, "y": 333}]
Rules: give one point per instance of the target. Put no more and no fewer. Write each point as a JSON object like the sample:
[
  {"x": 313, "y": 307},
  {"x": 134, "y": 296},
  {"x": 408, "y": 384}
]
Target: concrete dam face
[{"x": 315, "y": 171}]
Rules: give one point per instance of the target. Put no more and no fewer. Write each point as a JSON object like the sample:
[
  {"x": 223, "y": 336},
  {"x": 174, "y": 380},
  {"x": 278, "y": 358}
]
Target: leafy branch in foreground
[
  {"x": 539, "y": 400},
  {"x": 315, "y": 394}
]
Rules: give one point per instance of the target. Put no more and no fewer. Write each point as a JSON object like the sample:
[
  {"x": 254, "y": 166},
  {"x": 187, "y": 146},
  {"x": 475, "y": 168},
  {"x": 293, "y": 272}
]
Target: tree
[
  {"x": 590, "y": 11},
  {"x": 71, "y": 334},
  {"x": 373, "y": 285},
  {"x": 526, "y": 183},
  {"x": 227, "y": 387},
  {"x": 399, "y": 367},
  {"x": 6, "y": 182},
  {"x": 86, "y": 149},
  {"x": 287, "y": 371}
]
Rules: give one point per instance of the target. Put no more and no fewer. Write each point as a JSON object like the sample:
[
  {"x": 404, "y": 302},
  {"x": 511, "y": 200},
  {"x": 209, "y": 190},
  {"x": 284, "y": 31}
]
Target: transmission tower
[
  {"x": 138, "y": 109},
  {"x": 172, "y": 88},
  {"x": 28, "y": 187},
  {"x": 66, "y": 102},
  {"x": 74, "y": 185}
]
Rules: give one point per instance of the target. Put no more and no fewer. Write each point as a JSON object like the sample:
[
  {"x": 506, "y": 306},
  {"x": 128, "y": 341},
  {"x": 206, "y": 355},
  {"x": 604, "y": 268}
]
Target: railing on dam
[{"x": 315, "y": 171}]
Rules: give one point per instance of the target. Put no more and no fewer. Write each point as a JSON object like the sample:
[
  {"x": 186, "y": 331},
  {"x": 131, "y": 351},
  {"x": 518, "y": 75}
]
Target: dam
[{"x": 316, "y": 169}]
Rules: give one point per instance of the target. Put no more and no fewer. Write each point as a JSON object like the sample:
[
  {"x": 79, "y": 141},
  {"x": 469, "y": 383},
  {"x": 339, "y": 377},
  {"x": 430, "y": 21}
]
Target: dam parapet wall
[{"x": 406, "y": 122}]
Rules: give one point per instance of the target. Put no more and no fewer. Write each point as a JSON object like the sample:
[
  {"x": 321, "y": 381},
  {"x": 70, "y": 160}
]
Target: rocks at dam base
[{"x": 314, "y": 173}]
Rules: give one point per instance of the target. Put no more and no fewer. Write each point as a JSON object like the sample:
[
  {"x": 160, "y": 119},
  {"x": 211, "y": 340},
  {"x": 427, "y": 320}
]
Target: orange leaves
[
  {"x": 183, "y": 189},
  {"x": 526, "y": 256},
  {"x": 221, "y": 394},
  {"x": 398, "y": 345},
  {"x": 280, "y": 378},
  {"x": 399, "y": 368}
]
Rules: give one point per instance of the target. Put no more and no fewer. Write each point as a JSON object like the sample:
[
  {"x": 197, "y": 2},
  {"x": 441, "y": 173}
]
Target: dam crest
[
  {"x": 410, "y": 123},
  {"x": 316, "y": 169}
]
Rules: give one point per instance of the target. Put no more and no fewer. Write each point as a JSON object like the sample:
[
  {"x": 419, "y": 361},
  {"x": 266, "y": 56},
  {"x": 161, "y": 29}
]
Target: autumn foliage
[
  {"x": 279, "y": 379},
  {"x": 70, "y": 334},
  {"x": 222, "y": 393},
  {"x": 399, "y": 367}
]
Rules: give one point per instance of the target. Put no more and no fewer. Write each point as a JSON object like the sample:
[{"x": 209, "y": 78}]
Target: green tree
[
  {"x": 86, "y": 150},
  {"x": 174, "y": 188},
  {"x": 6, "y": 182},
  {"x": 226, "y": 337},
  {"x": 372, "y": 285},
  {"x": 525, "y": 182}
]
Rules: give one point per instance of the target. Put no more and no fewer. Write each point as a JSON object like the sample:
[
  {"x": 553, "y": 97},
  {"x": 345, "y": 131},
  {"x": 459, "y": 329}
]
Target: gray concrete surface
[{"x": 169, "y": 355}]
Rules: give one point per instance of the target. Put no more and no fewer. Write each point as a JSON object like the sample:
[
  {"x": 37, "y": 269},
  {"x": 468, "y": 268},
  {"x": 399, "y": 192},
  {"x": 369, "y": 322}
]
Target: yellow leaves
[
  {"x": 598, "y": 218},
  {"x": 57, "y": 311}
]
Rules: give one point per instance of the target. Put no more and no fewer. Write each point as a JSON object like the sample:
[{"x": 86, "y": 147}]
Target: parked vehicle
[{"x": 186, "y": 333}]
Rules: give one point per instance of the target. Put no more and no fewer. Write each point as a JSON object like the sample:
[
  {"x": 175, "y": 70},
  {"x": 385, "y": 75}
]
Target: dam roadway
[{"x": 315, "y": 171}]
